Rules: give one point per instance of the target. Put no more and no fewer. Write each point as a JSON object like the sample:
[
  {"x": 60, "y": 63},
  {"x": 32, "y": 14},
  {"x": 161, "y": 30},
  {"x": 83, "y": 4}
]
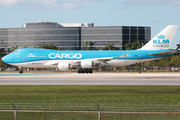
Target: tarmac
[{"x": 90, "y": 79}]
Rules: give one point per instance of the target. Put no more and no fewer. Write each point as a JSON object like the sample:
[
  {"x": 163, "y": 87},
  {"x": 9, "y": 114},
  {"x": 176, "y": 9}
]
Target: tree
[
  {"x": 128, "y": 46},
  {"x": 91, "y": 45},
  {"x": 2, "y": 53},
  {"x": 2, "y": 64},
  {"x": 175, "y": 61},
  {"x": 134, "y": 45},
  {"x": 165, "y": 62},
  {"x": 110, "y": 47},
  {"x": 86, "y": 44},
  {"x": 14, "y": 48},
  {"x": 153, "y": 64},
  {"x": 85, "y": 48},
  {"x": 48, "y": 46},
  {"x": 178, "y": 46},
  {"x": 26, "y": 47},
  {"x": 60, "y": 49}
]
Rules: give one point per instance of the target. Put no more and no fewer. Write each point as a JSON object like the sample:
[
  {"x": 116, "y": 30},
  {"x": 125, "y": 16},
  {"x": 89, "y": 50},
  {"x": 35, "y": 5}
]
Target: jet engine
[
  {"x": 63, "y": 66},
  {"x": 87, "y": 64}
]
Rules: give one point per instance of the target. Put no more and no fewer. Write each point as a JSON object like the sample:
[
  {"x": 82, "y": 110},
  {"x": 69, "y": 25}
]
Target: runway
[{"x": 91, "y": 79}]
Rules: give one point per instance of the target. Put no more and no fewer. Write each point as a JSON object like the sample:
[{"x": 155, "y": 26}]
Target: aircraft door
[
  {"x": 24, "y": 58},
  {"x": 139, "y": 57}
]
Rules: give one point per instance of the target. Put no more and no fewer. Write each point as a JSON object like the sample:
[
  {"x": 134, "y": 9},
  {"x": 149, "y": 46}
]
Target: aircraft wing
[
  {"x": 111, "y": 58},
  {"x": 96, "y": 60},
  {"x": 52, "y": 63},
  {"x": 163, "y": 53}
]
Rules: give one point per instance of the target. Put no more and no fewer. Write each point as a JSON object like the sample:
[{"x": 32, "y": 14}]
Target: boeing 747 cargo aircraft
[{"x": 85, "y": 61}]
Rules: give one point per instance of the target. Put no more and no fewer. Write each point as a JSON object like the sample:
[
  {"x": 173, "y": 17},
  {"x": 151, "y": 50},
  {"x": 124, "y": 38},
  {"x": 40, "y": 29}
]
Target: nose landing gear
[{"x": 20, "y": 70}]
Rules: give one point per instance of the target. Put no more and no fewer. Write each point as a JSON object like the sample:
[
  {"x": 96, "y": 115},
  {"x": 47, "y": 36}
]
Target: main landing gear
[
  {"x": 85, "y": 71},
  {"x": 20, "y": 71}
]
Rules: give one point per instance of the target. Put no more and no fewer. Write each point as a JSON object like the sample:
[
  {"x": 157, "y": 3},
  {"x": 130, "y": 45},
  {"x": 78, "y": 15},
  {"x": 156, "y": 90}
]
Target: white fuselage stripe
[{"x": 112, "y": 63}]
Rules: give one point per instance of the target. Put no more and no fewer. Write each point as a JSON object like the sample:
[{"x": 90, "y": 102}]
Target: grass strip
[{"x": 90, "y": 90}]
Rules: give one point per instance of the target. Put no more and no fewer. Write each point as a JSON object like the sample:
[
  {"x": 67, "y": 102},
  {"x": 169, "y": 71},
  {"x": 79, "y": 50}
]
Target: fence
[
  {"x": 139, "y": 69},
  {"x": 78, "y": 103},
  {"x": 36, "y": 107}
]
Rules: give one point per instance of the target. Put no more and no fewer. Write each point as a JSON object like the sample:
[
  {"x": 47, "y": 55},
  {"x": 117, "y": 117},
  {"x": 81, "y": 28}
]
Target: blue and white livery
[{"x": 85, "y": 61}]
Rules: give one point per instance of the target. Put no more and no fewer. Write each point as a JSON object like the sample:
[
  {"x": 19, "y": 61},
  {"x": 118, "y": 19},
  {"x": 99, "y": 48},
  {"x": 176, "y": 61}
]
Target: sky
[{"x": 156, "y": 14}]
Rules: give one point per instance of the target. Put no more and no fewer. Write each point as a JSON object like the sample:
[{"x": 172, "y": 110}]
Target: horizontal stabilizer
[{"x": 163, "y": 53}]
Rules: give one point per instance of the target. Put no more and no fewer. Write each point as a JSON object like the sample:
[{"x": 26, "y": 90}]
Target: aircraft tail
[{"x": 162, "y": 40}]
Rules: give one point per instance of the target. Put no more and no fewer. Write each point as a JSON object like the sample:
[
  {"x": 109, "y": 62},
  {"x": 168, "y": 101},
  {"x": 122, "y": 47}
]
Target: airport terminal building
[{"x": 71, "y": 36}]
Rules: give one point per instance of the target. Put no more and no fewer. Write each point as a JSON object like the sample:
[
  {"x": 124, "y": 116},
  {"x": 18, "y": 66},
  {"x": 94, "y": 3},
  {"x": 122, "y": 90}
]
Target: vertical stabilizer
[{"x": 163, "y": 40}]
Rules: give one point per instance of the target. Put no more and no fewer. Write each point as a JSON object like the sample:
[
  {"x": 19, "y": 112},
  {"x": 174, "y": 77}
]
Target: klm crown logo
[
  {"x": 161, "y": 37},
  {"x": 161, "y": 42}
]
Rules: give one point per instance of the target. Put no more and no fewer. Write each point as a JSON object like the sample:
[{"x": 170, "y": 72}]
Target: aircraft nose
[{"x": 7, "y": 59}]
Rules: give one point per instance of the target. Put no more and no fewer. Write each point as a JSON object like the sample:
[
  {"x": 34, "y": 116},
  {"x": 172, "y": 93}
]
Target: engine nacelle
[
  {"x": 63, "y": 66},
  {"x": 86, "y": 64}
]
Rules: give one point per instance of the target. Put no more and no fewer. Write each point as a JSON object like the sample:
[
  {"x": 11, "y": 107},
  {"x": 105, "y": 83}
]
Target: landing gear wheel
[
  {"x": 79, "y": 71},
  {"x": 87, "y": 71},
  {"x": 83, "y": 71},
  {"x": 90, "y": 71},
  {"x": 20, "y": 71}
]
